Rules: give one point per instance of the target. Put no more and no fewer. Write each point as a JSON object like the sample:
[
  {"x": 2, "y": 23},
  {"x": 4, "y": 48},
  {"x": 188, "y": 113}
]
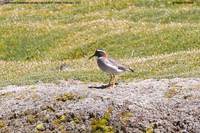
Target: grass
[{"x": 158, "y": 39}]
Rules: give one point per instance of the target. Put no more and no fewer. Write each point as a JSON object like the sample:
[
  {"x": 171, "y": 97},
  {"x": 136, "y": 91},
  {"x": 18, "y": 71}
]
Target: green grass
[{"x": 158, "y": 39}]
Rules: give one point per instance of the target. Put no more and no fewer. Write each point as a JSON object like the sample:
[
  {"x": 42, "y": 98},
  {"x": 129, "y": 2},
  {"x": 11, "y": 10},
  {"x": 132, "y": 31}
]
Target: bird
[{"x": 109, "y": 65}]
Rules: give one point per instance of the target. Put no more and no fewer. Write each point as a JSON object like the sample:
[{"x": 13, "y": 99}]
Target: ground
[
  {"x": 164, "y": 105},
  {"x": 158, "y": 38},
  {"x": 47, "y": 83}
]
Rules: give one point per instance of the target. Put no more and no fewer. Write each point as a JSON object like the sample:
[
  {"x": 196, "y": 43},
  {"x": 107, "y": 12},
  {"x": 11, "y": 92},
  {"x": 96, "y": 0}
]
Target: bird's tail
[{"x": 130, "y": 69}]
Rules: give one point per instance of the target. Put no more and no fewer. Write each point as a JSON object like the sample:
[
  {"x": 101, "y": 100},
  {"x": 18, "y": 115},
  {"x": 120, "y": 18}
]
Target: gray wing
[{"x": 120, "y": 66}]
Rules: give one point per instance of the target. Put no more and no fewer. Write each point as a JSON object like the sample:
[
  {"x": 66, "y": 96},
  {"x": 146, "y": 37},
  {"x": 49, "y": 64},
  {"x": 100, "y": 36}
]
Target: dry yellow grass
[
  {"x": 158, "y": 39},
  {"x": 184, "y": 64}
]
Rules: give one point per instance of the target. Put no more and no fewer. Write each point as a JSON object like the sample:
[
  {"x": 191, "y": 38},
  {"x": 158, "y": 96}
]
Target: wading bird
[{"x": 109, "y": 65}]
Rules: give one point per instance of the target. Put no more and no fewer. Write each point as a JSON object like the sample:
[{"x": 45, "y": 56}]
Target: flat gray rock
[{"x": 166, "y": 105}]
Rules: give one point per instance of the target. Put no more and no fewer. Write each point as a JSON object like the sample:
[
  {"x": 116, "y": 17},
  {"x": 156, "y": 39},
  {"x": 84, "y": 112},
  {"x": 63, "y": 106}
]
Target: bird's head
[{"x": 99, "y": 53}]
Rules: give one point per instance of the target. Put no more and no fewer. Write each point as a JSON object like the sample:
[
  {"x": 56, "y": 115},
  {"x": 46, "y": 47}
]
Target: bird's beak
[{"x": 91, "y": 57}]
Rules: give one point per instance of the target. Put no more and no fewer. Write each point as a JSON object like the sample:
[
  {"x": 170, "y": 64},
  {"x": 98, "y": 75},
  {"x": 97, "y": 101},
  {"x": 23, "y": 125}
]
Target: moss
[
  {"x": 2, "y": 124},
  {"x": 171, "y": 92},
  {"x": 102, "y": 124},
  {"x": 50, "y": 109},
  {"x": 40, "y": 127},
  {"x": 76, "y": 119},
  {"x": 67, "y": 97},
  {"x": 59, "y": 125},
  {"x": 61, "y": 129},
  {"x": 125, "y": 116},
  {"x": 33, "y": 88},
  {"x": 62, "y": 118},
  {"x": 150, "y": 129},
  {"x": 46, "y": 118},
  {"x": 31, "y": 119},
  {"x": 57, "y": 122}
]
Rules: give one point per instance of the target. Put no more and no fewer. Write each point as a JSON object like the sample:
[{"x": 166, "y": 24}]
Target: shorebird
[{"x": 109, "y": 65}]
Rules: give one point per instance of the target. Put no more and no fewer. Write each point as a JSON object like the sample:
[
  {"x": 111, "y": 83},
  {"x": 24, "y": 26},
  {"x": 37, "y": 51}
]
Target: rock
[{"x": 166, "y": 105}]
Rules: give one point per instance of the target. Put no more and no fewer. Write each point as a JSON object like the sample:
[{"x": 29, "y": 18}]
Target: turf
[{"x": 159, "y": 39}]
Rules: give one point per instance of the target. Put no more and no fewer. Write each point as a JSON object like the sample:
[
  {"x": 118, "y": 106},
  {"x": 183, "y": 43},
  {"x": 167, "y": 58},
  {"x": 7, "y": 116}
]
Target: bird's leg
[
  {"x": 114, "y": 80},
  {"x": 111, "y": 80},
  {"x": 112, "y": 84}
]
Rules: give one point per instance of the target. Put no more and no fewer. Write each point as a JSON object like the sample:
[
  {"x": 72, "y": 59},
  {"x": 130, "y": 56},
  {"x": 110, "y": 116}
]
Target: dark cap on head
[{"x": 99, "y": 53}]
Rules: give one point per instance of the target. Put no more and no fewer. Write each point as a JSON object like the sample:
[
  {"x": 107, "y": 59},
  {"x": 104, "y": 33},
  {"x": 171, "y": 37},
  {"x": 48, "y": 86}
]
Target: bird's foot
[{"x": 112, "y": 85}]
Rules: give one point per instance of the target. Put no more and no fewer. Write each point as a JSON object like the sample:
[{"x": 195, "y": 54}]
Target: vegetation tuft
[
  {"x": 67, "y": 96},
  {"x": 102, "y": 125}
]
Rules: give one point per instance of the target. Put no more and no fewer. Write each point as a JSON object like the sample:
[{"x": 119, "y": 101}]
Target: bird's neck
[{"x": 102, "y": 57}]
